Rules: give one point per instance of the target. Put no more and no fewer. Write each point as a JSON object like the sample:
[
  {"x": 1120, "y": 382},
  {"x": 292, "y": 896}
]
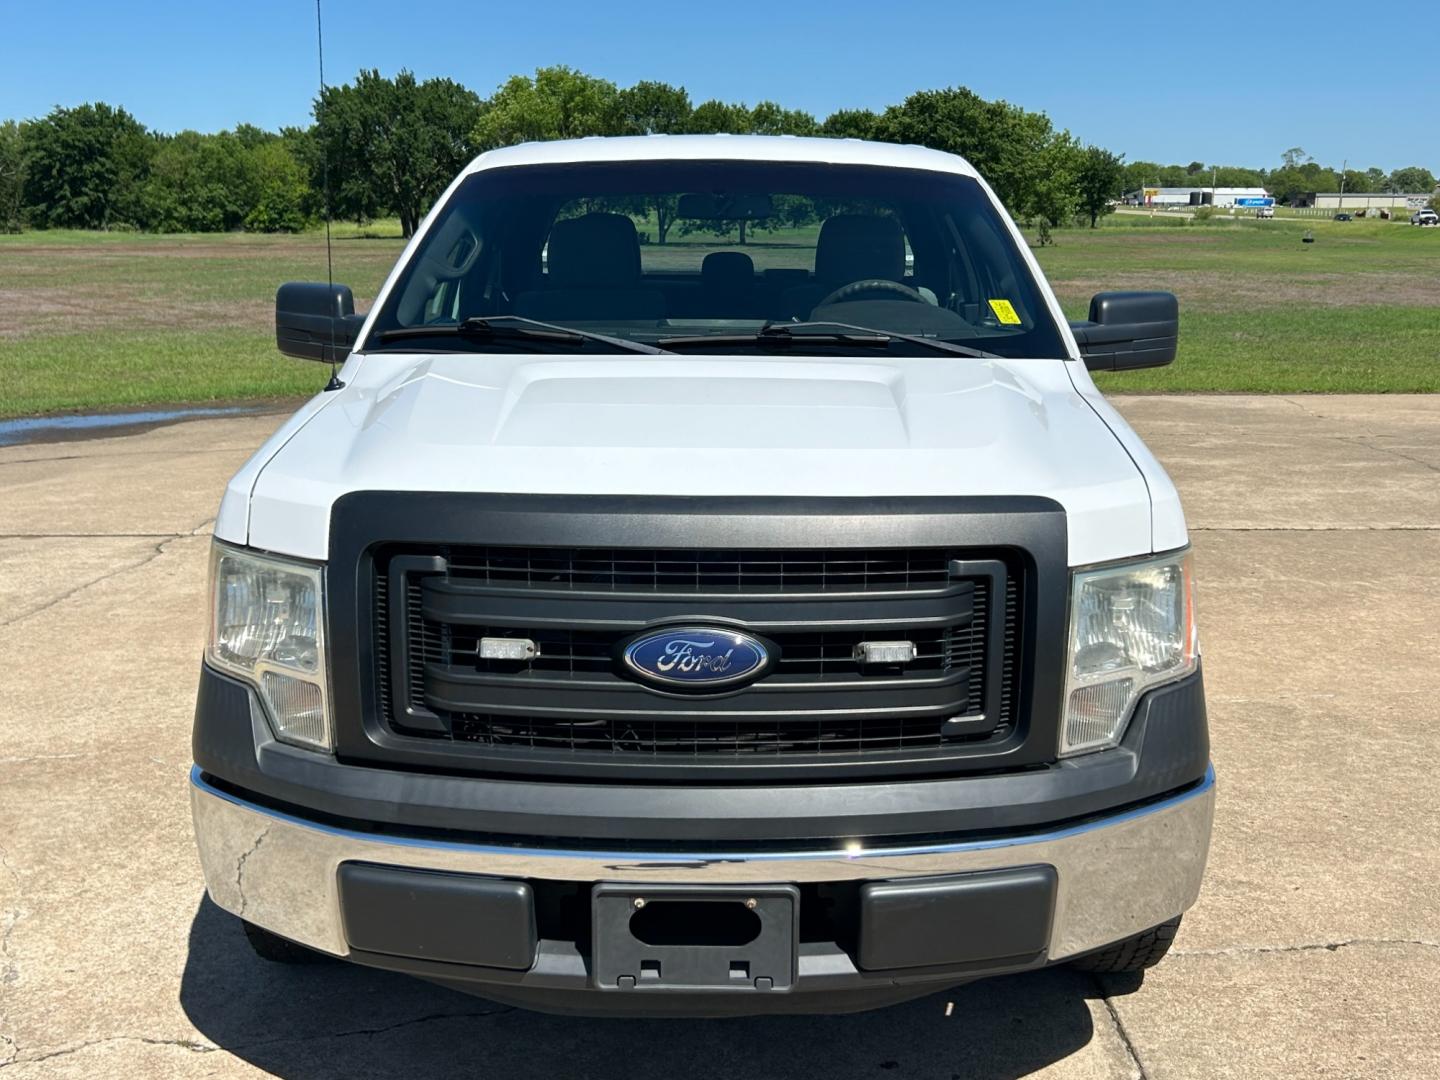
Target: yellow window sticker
[{"x": 1005, "y": 312}]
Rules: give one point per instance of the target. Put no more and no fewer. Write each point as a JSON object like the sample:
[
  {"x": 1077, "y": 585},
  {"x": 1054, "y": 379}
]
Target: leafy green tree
[
  {"x": 1099, "y": 176},
  {"x": 1412, "y": 180},
  {"x": 394, "y": 145},
  {"x": 716, "y": 117},
  {"x": 1288, "y": 182},
  {"x": 1355, "y": 180},
  {"x": 1054, "y": 190},
  {"x": 1138, "y": 175},
  {"x": 280, "y": 189},
  {"x": 1030, "y": 165},
  {"x": 1235, "y": 176},
  {"x": 558, "y": 103},
  {"x": 250, "y": 136},
  {"x": 768, "y": 118},
  {"x": 1294, "y": 157},
  {"x": 84, "y": 167},
  {"x": 654, "y": 108},
  {"x": 851, "y": 124},
  {"x": 12, "y": 176},
  {"x": 197, "y": 183}
]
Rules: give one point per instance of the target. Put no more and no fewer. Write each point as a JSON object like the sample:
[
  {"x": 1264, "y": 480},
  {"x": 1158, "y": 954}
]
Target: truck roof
[{"x": 722, "y": 148}]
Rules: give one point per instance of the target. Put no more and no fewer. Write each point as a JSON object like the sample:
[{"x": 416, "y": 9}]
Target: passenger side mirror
[
  {"x": 316, "y": 321},
  {"x": 1128, "y": 330}
]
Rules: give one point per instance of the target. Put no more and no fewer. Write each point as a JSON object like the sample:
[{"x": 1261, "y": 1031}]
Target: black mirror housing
[
  {"x": 1129, "y": 330},
  {"x": 316, "y": 321}
]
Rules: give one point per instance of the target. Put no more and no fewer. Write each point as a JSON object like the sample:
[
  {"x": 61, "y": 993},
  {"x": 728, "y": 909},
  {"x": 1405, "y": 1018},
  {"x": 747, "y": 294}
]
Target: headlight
[
  {"x": 1131, "y": 627},
  {"x": 267, "y": 625}
]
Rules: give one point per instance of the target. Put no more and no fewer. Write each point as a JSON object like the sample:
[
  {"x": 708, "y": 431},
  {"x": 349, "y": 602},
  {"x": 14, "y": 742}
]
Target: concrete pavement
[{"x": 1315, "y": 949}]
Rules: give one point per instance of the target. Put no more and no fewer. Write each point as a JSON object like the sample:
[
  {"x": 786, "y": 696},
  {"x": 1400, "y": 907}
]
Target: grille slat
[
  {"x": 702, "y": 570},
  {"x": 953, "y": 651}
]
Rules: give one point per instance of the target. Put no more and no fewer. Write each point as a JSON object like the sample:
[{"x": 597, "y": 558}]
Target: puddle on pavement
[{"x": 50, "y": 428}]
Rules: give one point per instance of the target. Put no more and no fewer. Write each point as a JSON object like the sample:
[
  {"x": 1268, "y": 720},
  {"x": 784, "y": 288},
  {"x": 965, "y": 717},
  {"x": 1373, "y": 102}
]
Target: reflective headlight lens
[
  {"x": 1131, "y": 627},
  {"x": 267, "y": 626}
]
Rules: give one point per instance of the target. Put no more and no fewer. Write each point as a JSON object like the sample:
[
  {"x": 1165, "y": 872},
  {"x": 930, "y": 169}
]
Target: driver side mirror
[
  {"x": 316, "y": 321},
  {"x": 1128, "y": 330}
]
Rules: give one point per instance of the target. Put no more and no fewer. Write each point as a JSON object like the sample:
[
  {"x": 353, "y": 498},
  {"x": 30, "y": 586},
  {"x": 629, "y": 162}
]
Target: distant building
[
  {"x": 1223, "y": 197},
  {"x": 1359, "y": 200}
]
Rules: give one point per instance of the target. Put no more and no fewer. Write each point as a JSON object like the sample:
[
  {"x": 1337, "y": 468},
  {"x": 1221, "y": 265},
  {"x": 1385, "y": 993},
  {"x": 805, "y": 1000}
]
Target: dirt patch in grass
[
  {"x": 77, "y": 308},
  {"x": 1216, "y": 291},
  {"x": 152, "y": 283}
]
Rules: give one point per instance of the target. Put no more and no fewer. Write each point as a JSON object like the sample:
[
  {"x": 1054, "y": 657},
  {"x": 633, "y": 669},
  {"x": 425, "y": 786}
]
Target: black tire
[
  {"x": 279, "y": 950},
  {"x": 1134, "y": 954}
]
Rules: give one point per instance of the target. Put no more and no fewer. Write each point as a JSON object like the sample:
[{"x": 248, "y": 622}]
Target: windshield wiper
[
  {"x": 784, "y": 336},
  {"x": 513, "y": 328}
]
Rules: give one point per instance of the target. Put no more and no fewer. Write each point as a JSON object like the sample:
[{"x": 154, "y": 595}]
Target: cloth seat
[
  {"x": 727, "y": 283},
  {"x": 593, "y": 275},
  {"x": 851, "y": 247}
]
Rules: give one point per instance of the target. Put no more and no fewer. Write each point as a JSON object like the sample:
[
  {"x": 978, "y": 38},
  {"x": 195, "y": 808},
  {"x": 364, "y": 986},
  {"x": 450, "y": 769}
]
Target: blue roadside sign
[{"x": 1255, "y": 200}]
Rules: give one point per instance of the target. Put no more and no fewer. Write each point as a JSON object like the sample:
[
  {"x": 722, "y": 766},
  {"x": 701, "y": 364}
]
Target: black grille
[
  {"x": 701, "y": 570},
  {"x": 655, "y": 738},
  {"x": 573, "y": 702}
]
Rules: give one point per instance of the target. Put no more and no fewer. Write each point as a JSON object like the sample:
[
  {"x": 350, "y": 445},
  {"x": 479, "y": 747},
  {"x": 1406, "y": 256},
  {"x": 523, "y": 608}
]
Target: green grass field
[{"x": 91, "y": 321}]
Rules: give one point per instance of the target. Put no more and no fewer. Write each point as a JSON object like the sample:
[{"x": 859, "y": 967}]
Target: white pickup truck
[{"x": 682, "y": 601}]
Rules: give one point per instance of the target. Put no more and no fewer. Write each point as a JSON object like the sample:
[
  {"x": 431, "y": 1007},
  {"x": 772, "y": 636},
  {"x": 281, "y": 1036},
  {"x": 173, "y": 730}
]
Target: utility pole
[{"x": 1343, "y": 165}]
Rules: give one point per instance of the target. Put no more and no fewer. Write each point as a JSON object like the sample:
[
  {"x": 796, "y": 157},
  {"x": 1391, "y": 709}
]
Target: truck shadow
[{"x": 338, "y": 1020}]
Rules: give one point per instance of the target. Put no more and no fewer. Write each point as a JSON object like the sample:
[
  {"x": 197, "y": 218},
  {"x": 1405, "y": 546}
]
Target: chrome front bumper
[{"x": 1118, "y": 875}]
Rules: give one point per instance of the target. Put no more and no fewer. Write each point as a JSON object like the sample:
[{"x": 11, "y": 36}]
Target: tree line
[{"x": 388, "y": 147}]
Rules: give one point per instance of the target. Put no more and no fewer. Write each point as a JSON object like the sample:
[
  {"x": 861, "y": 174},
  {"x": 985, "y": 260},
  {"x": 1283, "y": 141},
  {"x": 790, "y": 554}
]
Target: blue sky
[{"x": 1239, "y": 90}]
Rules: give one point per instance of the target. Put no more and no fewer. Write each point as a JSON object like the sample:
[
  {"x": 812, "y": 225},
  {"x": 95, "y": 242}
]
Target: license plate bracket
[{"x": 729, "y": 938}]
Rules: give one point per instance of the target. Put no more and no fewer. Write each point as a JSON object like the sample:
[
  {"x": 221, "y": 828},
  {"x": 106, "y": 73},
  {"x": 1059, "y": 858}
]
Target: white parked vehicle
[
  {"x": 1425, "y": 216},
  {"x": 753, "y": 620}
]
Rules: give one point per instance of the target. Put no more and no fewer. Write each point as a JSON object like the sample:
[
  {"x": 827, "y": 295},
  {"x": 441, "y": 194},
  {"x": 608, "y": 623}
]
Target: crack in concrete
[
  {"x": 9, "y": 966},
  {"x": 1365, "y": 441},
  {"x": 93, "y": 536},
  {"x": 65, "y": 1051},
  {"x": 238, "y": 451},
  {"x": 1362, "y": 440},
  {"x": 1131, "y": 1051},
  {"x": 241, "y": 1048},
  {"x": 1306, "y": 409},
  {"x": 160, "y": 549},
  {"x": 29, "y": 758},
  {"x": 1313, "y": 946}
]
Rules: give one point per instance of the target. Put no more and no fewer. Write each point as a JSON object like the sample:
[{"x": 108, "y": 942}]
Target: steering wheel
[{"x": 872, "y": 285}]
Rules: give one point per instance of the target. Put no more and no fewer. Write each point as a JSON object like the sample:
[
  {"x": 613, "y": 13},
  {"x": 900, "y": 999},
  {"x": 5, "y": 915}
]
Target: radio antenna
[{"x": 334, "y": 383}]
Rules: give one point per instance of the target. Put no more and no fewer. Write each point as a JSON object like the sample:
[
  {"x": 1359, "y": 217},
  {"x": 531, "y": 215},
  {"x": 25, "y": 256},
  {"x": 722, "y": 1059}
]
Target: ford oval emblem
[{"x": 697, "y": 657}]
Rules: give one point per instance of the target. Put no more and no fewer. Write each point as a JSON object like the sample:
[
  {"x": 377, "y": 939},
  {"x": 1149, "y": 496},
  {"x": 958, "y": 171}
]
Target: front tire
[
  {"x": 1134, "y": 954},
  {"x": 279, "y": 950}
]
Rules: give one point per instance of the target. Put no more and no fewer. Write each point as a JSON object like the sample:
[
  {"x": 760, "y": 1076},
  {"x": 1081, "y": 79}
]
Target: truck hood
[{"x": 694, "y": 426}]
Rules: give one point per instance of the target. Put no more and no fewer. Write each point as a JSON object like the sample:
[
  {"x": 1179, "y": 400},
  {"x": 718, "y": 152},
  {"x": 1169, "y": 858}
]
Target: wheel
[
  {"x": 1133, "y": 954},
  {"x": 279, "y": 950}
]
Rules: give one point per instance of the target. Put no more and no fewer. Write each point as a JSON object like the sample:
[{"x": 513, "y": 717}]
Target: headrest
[
  {"x": 594, "y": 251},
  {"x": 728, "y": 270},
  {"x": 853, "y": 247}
]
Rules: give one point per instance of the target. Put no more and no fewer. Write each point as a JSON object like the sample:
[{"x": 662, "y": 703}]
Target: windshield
[{"x": 679, "y": 252}]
